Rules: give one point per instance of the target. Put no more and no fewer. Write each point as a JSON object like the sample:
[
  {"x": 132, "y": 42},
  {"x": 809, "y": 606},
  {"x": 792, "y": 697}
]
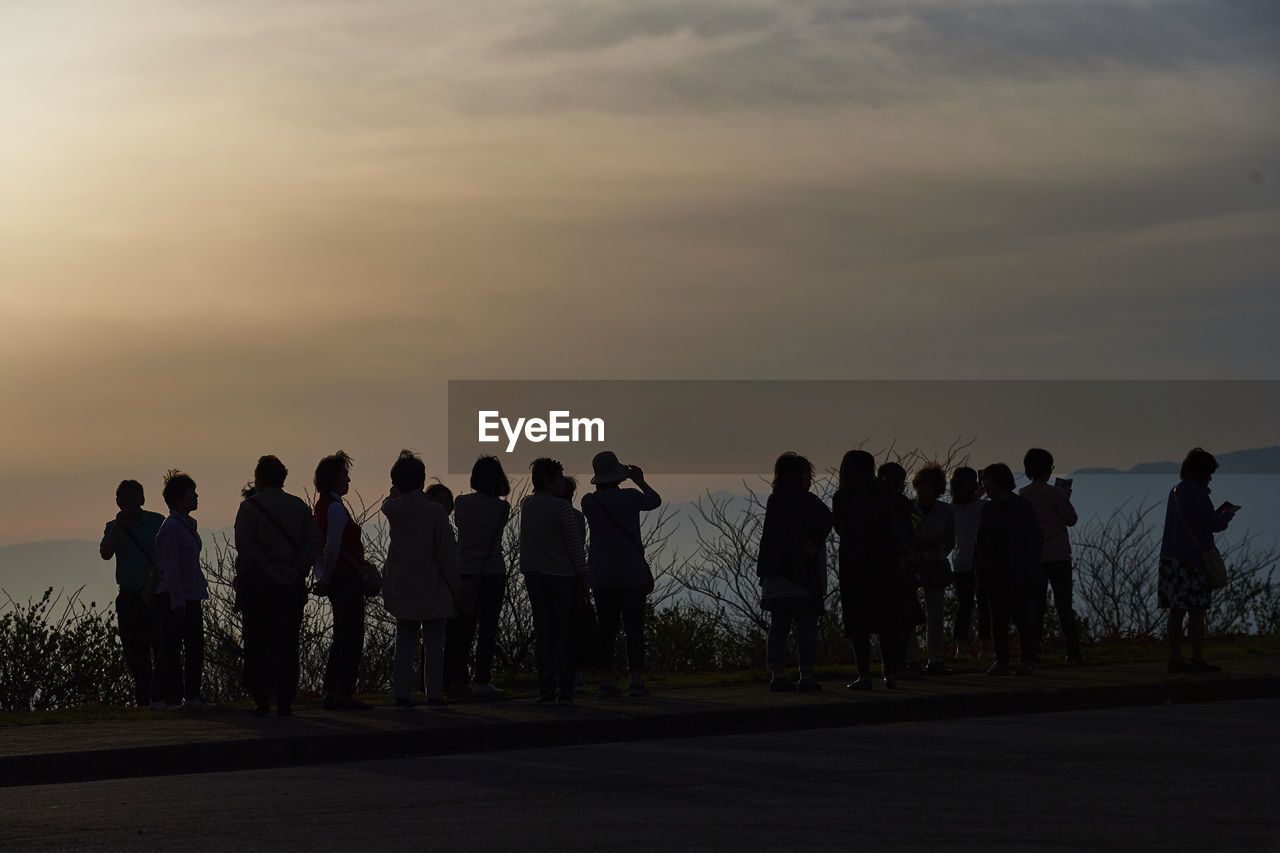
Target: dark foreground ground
[{"x": 1186, "y": 777}]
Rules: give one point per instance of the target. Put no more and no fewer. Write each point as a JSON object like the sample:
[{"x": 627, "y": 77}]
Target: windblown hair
[
  {"x": 328, "y": 470},
  {"x": 409, "y": 472},
  {"x": 1198, "y": 466},
  {"x": 933, "y": 475},
  {"x": 541, "y": 469},
  {"x": 792, "y": 473},
  {"x": 176, "y": 484}
]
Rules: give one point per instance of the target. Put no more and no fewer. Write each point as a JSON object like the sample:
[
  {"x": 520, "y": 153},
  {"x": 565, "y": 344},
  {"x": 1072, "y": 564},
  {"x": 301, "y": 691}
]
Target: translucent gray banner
[{"x": 717, "y": 427}]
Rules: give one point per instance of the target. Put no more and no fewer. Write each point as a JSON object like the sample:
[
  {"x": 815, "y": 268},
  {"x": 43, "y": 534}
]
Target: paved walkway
[{"x": 230, "y": 740}]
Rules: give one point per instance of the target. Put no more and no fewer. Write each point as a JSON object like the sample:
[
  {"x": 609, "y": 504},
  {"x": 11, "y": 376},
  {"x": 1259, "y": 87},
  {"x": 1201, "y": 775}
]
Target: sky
[{"x": 238, "y": 228}]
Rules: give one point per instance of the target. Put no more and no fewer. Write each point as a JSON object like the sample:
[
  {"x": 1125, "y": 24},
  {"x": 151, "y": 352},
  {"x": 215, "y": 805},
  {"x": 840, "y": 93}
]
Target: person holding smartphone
[
  {"x": 131, "y": 539},
  {"x": 1055, "y": 513}
]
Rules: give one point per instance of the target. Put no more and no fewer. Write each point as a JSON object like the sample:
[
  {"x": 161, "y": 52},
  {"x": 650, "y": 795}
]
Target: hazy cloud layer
[{"x": 234, "y": 228}]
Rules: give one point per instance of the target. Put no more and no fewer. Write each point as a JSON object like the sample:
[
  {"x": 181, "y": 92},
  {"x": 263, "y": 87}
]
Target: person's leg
[
  {"x": 167, "y": 682},
  {"x": 634, "y": 604},
  {"x": 255, "y": 630},
  {"x": 1058, "y": 574},
  {"x": 537, "y": 585},
  {"x": 407, "y": 633},
  {"x": 433, "y": 639},
  {"x": 457, "y": 645},
  {"x": 998, "y": 597},
  {"x": 609, "y": 612},
  {"x": 780, "y": 620},
  {"x": 933, "y": 607},
  {"x": 1196, "y": 629},
  {"x": 290, "y": 604},
  {"x": 964, "y": 608},
  {"x": 1034, "y": 608},
  {"x": 806, "y": 621},
  {"x": 892, "y": 644},
  {"x": 135, "y": 642},
  {"x": 564, "y": 607},
  {"x": 193, "y": 648},
  {"x": 984, "y": 612},
  {"x": 861, "y": 642},
  {"x": 1174, "y": 634},
  {"x": 493, "y": 590}
]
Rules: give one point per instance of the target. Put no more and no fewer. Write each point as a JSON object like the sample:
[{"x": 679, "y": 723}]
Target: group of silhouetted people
[
  {"x": 445, "y": 591},
  {"x": 1000, "y": 547}
]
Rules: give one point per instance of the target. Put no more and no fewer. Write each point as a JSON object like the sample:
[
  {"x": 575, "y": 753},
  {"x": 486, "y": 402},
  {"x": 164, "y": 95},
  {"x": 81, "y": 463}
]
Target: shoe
[
  {"x": 486, "y": 690},
  {"x": 403, "y": 704},
  {"x": 638, "y": 690},
  {"x": 610, "y": 690},
  {"x": 999, "y": 668},
  {"x": 1025, "y": 669},
  {"x": 437, "y": 702},
  {"x": 939, "y": 669},
  {"x": 890, "y": 682},
  {"x": 1200, "y": 666},
  {"x": 1176, "y": 666},
  {"x": 780, "y": 685},
  {"x": 579, "y": 684},
  {"x": 809, "y": 684},
  {"x": 862, "y": 683},
  {"x": 262, "y": 711}
]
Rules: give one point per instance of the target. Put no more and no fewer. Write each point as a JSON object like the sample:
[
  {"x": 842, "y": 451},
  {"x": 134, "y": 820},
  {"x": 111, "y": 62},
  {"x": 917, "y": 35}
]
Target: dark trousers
[
  {"x": 462, "y": 631},
  {"x": 141, "y": 630},
  {"x": 784, "y": 613},
  {"x": 346, "y": 597},
  {"x": 1012, "y": 604},
  {"x": 969, "y": 592},
  {"x": 625, "y": 605},
  {"x": 551, "y": 598},
  {"x": 180, "y": 667},
  {"x": 892, "y": 645},
  {"x": 272, "y": 618},
  {"x": 1058, "y": 575}
]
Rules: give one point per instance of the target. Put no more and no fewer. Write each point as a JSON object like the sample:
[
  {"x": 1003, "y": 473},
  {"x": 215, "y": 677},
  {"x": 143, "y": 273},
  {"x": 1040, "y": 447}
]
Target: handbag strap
[
  {"x": 134, "y": 539},
  {"x": 626, "y": 532},
  {"x": 293, "y": 543}
]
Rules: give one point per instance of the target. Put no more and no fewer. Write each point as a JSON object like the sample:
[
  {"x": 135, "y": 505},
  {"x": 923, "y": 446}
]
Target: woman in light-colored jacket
[{"x": 421, "y": 581}]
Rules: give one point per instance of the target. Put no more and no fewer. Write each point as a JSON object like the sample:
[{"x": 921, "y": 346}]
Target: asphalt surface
[{"x": 1188, "y": 777}]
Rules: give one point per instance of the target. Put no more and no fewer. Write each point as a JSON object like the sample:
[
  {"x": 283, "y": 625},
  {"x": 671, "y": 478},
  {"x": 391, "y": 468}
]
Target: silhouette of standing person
[
  {"x": 619, "y": 573},
  {"x": 277, "y": 542},
  {"x": 1190, "y": 521},
  {"x": 183, "y": 589},
  {"x": 131, "y": 538},
  {"x": 555, "y": 574},
  {"x": 1006, "y": 556},
  {"x": 874, "y": 599},
  {"x": 934, "y": 537},
  {"x": 1053, "y": 507},
  {"x": 481, "y": 517},
  {"x": 893, "y": 478},
  {"x": 792, "y": 567},
  {"x": 967, "y": 509},
  {"x": 421, "y": 581},
  {"x": 337, "y": 575}
]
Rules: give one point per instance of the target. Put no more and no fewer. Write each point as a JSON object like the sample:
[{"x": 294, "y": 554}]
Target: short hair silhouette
[
  {"x": 441, "y": 494},
  {"x": 176, "y": 485},
  {"x": 409, "y": 472},
  {"x": 1198, "y": 466},
  {"x": 792, "y": 473},
  {"x": 488, "y": 477},
  {"x": 892, "y": 474},
  {"x": 571, "y": 488},
  {"x": 131, "y": 485},
  {"x": 270, "y": 472},
  {"x": 933, "y": 475},
  {"x": 1000, "y": 474},
  {"x": 1038, "y": 463},
  {"x": 329, "y": 469},
  {"x": 856, "y": 466},
  {"x": 543, "y": 468},
  {"x": 964, "y": 485}
]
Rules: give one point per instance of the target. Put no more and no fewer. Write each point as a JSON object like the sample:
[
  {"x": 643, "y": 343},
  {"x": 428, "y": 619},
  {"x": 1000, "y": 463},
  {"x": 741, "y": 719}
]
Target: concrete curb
[{"x": 167, "y": 759}]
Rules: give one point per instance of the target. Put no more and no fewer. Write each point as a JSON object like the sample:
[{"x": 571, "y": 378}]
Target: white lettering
[
  {"x": 535, "y": 430},
  {"x": 559, "y": 423},
  {"x": 587, "y": 424},
  {"x": 512, "y": 434},
  {"x": 488, "y": 422}
]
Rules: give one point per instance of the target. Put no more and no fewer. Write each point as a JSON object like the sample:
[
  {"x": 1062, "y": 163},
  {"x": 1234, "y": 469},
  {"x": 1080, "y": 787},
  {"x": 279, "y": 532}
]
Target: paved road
[{"x": 1190, "y": 777}]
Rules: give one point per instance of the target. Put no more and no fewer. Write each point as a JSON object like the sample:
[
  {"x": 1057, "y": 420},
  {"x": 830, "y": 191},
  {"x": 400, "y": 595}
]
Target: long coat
[
  {"x": 874, "y": 593},
  {"x": 420, "y": 577}
]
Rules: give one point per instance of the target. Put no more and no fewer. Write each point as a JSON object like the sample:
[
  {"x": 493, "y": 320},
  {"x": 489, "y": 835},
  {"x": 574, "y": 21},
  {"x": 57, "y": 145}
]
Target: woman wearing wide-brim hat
[{"x": 617, "y": 570}]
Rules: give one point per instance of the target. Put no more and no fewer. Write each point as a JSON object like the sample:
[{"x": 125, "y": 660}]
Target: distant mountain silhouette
[{"x": 1262, "y": 460}]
